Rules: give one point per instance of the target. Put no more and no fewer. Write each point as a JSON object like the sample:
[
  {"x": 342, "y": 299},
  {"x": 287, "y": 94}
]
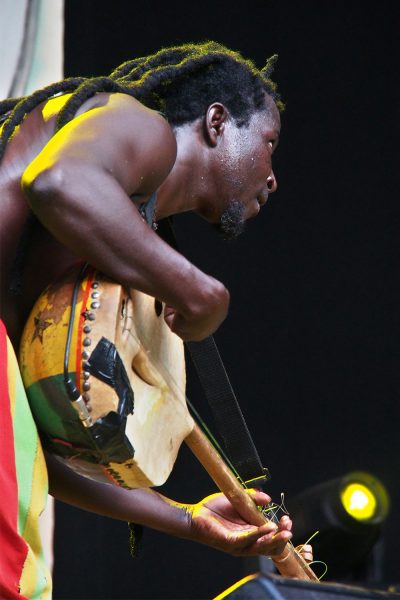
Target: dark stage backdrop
[{"x": 312, "y": 342}]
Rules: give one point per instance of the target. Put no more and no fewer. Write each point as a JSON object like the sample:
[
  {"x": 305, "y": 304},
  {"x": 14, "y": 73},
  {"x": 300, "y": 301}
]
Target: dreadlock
[{"x": 181, "y": 82}]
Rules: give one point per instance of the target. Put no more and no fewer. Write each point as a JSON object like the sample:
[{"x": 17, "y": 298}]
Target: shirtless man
[{"x": 83, "y": 164}]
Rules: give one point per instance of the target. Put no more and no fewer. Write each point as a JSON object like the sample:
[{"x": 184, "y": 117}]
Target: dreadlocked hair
[{"x": 181, "y": 82}]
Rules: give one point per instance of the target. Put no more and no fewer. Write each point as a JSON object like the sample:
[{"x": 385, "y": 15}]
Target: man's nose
[{"x": 272, "y": 184}]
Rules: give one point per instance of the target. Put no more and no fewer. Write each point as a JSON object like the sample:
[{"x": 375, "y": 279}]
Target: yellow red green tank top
[{"x": 23, "y": 485}]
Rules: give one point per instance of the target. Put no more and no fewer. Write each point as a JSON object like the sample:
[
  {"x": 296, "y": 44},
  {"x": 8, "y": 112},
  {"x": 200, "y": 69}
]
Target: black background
[{"x": 312, "y": 339}]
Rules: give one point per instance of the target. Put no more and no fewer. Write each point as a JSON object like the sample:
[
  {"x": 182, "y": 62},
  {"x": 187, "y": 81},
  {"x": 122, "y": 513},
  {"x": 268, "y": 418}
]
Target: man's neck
[{"x": 189, "y": 183}]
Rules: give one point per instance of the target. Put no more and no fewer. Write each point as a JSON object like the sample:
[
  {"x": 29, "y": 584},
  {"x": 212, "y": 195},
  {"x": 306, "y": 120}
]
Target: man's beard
[{"x": 232, "y": 222}]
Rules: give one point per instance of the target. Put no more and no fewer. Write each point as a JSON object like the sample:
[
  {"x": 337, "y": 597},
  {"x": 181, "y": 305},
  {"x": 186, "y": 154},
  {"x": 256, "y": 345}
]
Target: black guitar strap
[{"x": 228, "y": 416}]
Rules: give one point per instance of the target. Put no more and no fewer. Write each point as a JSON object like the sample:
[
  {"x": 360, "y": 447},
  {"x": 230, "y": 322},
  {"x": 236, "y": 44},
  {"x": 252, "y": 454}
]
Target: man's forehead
[
  {"x": 268, "y": 119},
  {"x": 271, "y": 114}
]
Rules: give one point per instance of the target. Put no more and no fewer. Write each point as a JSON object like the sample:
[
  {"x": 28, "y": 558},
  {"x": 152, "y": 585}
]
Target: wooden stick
[{"x": 290, "y": 563}]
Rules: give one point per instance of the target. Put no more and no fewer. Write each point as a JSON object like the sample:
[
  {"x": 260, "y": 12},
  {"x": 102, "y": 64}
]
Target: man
[{"x": 83, "y": 164}]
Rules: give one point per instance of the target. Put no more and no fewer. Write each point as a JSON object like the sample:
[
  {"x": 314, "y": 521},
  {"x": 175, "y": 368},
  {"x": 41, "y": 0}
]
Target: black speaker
[{"x": 274, "y": 587}]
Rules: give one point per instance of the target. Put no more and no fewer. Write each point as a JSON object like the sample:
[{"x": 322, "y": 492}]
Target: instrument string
[
  {"x": 206, "y": 430},
  {"x": 320, "y": 562},
  {"x": 314, "y": 562}
]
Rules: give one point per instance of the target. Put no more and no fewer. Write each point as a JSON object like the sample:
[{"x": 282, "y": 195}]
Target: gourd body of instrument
[{"x": 139, "y": 418}]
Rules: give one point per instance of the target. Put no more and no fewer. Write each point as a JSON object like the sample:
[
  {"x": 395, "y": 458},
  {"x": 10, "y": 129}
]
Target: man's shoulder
[
  {"x": 125, "y": 104},
  {"x": 148, "y": 130},
  {"x": 126, "y": 137},
  {"x": 124, "y": 113}
]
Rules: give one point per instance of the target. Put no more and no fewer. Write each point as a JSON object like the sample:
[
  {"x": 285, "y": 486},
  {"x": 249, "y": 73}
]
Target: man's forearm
[
  {"x": 141, "y": 506},
  {"x": 212, "y": 521}
]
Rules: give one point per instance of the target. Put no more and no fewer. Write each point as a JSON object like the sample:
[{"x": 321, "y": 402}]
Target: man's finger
[{"x": 268, "y": 545}]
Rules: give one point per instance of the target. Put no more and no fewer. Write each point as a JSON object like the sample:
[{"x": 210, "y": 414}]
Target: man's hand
[
  {"x": 204, "y": 316},
  {"x": 216, "y": 523}
]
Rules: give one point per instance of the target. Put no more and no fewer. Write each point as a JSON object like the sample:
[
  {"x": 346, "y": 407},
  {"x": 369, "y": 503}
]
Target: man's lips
[{"x": 262, "y": 198}]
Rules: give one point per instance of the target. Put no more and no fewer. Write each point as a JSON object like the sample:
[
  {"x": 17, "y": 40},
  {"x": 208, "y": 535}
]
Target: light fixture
[{"x": 347, "y": 512}]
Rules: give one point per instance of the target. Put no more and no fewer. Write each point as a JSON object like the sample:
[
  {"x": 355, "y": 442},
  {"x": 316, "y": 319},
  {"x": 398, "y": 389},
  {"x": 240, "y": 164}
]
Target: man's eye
[{"x": 271, "y": 143}]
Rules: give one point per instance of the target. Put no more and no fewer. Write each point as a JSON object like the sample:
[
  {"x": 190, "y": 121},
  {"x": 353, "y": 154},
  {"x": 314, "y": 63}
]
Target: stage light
[
  {"x": 347, "y": 512},
  {"x": 364, "y": 498},
  {"x": 358, "y": 501}
]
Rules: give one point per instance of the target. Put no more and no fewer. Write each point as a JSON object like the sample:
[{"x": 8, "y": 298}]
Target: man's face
[{"x": 245, "y": 174}]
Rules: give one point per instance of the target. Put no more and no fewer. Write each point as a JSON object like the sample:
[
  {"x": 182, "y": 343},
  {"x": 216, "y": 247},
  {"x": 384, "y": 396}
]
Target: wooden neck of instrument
[{"x": 290, "y": 563}]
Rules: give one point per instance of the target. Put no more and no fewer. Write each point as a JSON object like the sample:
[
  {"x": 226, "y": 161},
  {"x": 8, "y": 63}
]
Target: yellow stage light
[
  {"x": 359, "y": 501},
  {"x": 364, "y": 497}
]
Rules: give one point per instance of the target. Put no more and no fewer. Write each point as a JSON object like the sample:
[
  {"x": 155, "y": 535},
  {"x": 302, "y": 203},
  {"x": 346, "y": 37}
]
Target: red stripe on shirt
[{"x": 13, "y": 548}]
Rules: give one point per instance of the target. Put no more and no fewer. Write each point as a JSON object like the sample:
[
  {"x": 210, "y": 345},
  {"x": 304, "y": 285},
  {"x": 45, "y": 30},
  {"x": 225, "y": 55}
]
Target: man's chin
[{"x": 232, "y": 221}]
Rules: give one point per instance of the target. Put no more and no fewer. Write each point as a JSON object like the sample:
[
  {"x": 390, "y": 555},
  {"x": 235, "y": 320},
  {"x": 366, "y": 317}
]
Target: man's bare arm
[{"x": 212, "y": 521}]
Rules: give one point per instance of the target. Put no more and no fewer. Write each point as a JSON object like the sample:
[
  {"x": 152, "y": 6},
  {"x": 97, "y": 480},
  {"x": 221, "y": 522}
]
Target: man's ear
[{"x": 214, "y": 122}]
